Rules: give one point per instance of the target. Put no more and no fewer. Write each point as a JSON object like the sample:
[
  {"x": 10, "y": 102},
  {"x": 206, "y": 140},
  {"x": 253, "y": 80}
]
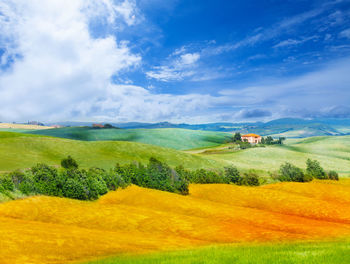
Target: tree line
[{"x": 89, "y": 184}]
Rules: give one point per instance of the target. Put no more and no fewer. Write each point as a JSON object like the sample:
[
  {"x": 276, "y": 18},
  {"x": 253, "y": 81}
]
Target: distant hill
[{"x": 288, "y": 127}]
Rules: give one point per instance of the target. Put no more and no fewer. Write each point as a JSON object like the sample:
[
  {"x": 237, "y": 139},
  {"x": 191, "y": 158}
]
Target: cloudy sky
[{"x": 188, "y": 61}]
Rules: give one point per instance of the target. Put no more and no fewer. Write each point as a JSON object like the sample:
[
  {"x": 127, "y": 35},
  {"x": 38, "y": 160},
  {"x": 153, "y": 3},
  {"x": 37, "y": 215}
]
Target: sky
[{"x": 192, "y": 61}]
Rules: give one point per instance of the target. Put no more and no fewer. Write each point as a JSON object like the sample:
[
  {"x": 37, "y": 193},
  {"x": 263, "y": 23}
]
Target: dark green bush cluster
[
  {"x": 156, "y": 175},
  {"x": 230, "y": 175},
  {"x": 270, "y": 141},
  {"x": 289, "y": 172}
]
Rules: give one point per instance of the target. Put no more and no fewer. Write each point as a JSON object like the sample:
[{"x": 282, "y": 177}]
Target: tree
[
  {"x": 269, "y": 140},
  {"x": 69, "y": 163},
  {"x": 280, "y": 140},
  {"x": 289, "y": 172},
  {"x": 250, "y": 179},
  {"x": 333, "y": 175},
  {"x": 315, "y": 170},
  {"x": 232, "y": 175},
  {"x": 47, "y": 180},
  {"x": 237, "y": 137}
]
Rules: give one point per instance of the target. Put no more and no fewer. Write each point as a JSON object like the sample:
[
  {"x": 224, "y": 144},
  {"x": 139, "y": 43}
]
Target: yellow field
[
  {"x": 22, "y": 126},
  {"x": 136, "y": 220}
]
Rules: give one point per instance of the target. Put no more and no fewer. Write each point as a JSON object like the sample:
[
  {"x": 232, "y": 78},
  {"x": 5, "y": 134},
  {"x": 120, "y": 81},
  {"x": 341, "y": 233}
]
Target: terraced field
[{"x": 57, "y": 230}]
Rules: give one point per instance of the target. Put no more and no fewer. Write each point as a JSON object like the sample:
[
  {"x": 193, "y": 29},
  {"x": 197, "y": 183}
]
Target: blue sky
[{"x": 181, "y": 61}]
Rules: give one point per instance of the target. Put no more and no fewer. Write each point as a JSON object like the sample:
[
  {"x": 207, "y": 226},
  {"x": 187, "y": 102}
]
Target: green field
[
  {"x": 302, "y": 253},
  {"x": 175, "y": 138},
  {"x": 19, "y": 151},
  {"x": 333, "y": 152}
]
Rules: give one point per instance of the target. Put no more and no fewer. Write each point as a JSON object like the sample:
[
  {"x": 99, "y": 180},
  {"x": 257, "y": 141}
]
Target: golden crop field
[
  {"x": 23, "y": 126},
  {"x": 136, "y": 220}
]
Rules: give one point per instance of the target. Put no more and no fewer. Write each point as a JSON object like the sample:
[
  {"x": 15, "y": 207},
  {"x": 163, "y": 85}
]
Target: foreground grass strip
[{"x": 308, "y": 253}]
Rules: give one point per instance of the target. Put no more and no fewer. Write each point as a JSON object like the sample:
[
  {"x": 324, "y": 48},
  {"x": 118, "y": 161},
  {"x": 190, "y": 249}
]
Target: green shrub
[
  {"x": 314, "y": 169},
  {"x": 289, "y": 172},
  {"x": 250, "y": 179},
  {"x": 73, "y": 188},
  {"x": 47, "y": 180},
  {"x": 232, "y": 175},
  {"x": 333, "y": 175},
  {"x": 69, "y": 163},
  {"x": 6, "y": 183}
]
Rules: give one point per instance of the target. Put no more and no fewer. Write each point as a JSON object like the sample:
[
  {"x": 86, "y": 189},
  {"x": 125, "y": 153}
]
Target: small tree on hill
[
  {"x": 289, "y": 172},
  {"x": 237, "y": 137},
  {"x": 232, "y": 175},
  {"x": 69, "y": 163},
  {"x": 315, "y": 170}
]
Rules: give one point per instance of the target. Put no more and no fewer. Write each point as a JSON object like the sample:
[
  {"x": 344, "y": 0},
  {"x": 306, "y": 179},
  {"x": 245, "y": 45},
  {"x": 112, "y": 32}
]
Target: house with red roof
[{"x": 251, "y": 138}]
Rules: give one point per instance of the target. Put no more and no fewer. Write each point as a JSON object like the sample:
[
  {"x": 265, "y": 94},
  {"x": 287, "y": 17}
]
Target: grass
[
  {"x": 19, "y": 151},
  {"x": 298, "y": 253},
  {"x": 137, "y": 221},
  {"x": 332, "y": 152},
  {"x": 175, "y": 138}
]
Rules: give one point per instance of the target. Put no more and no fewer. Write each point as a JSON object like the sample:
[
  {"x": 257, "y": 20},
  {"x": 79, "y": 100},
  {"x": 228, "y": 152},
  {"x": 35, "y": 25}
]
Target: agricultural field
[
  {"x": 175, "y": 138},
  {"x": 68, "y": 230}
]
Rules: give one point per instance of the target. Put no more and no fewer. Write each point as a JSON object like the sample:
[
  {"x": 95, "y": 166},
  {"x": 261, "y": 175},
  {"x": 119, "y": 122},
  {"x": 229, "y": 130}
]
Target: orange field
[{"x": 135, "y": 220}]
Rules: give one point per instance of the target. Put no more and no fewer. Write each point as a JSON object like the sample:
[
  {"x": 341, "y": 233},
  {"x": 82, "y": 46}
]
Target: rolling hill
[
  {"x": 332, "y": 152},
  {"x": 58, "y": 230},
  {"x": 179, "y": 139},
  {"x": 288, "y": 127},
  {"x": 19, "y": 151}
]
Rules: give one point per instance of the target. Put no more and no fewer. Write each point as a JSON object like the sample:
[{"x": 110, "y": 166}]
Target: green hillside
[
  {"x": 333, "y": 152},
  {"x": 20, "y": 151},
  {"x": 175, "y": 138}
]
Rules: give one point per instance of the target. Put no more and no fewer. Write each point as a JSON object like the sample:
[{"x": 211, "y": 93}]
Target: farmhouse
[
  {"x": 251, "y": 138},
  {"x": 97, "y": 126}
]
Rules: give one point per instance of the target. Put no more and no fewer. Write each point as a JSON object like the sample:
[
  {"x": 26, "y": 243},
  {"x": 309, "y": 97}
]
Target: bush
[
  {"x": 73, "y": 188},
  {"x": 69, "y": 163},
  {"x": 250, "y": 179},
  {"x": 6, "y": 183},
  {"x": 314, "y": 169},
  {"x": 333, "y": 175},
  {"x": 47, "y": 180},
  {"x": 289, "y": 172},
  {"x": 232, "y": 175}
]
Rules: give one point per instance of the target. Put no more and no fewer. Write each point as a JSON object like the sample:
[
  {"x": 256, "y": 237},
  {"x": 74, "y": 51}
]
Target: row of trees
[
  {"x": 72, "y": 182},
  {"x": 237, "y": 138},
  {"x": 289, "y": 172}
]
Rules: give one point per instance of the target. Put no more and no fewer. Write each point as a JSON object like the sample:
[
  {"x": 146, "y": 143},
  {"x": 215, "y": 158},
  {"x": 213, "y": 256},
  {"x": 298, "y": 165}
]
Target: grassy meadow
[
  {"x": 19, "y": 151},
  {"x": 332, "y": 152},
  {"x": 288, "y": 253},
  {"x": 131, "y": 221},
  {"x": 174, "y": 138}
]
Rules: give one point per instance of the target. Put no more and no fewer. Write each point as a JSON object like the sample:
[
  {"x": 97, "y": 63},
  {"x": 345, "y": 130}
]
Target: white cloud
[
  {"x": 323, "y": 88},
  {"x": 294, "y": 42},
  {"x": 180, "y": 65},
  {"x": 61, "y": 72},
  {"x": 345, "y": 33}
]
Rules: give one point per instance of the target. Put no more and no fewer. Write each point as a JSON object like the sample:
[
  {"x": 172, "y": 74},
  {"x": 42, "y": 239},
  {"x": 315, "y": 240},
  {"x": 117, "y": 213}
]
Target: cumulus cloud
[{"x": 56, "y": 70}]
